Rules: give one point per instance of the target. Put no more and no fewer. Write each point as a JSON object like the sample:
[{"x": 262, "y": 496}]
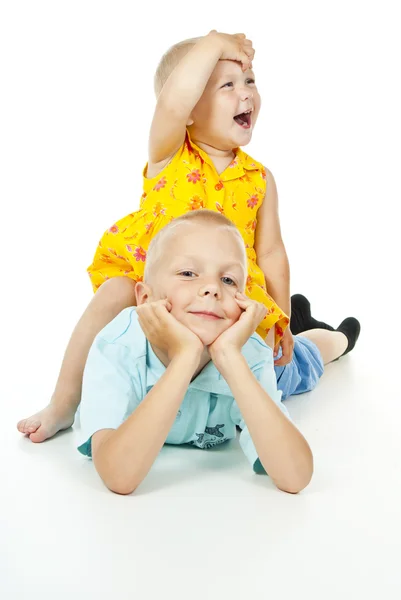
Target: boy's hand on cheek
[
  {"x": 164, "y": 331},
  {"x": 232, "y": 340}
]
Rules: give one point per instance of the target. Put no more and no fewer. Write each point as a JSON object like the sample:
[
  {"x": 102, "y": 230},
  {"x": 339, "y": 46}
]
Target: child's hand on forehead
[
  {"x": 164, "y": 331},
  {"x": 236, "y": 47},
  {"x": 238, "y": 334}
]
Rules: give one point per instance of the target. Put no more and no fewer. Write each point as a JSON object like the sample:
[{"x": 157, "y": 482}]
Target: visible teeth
[{"x": 245, "y": 112}]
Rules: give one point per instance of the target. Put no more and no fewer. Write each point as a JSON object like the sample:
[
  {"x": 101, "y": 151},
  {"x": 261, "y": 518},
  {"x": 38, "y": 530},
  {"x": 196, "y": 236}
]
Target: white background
[{"x": 76, "y": 104}]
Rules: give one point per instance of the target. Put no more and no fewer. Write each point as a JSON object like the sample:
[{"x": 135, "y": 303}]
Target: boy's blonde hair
[
  {"x": 203, "y": 216},
  {"x": 170, "y": 60}
]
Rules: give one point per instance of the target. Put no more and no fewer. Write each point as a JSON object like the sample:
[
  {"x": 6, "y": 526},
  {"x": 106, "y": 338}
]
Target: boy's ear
[
  {"x": 190, "y": 121},
  {"x": 143, "y": 293}
]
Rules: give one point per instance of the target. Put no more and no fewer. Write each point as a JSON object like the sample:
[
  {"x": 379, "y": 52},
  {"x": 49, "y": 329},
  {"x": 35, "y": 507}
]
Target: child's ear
[
  {"x": 190, "y": 121},
  {"x": 143, "y": 293}
]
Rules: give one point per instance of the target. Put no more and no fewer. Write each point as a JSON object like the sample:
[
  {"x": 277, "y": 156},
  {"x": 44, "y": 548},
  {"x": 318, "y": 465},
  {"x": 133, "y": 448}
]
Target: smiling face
[
  {"x": 200, "y": 273},
  {"x": 228, "y": 108}
]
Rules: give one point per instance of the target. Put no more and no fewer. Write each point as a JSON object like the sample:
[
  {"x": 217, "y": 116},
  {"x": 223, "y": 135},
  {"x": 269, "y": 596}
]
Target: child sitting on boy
[{"x": 186, "y": 366}]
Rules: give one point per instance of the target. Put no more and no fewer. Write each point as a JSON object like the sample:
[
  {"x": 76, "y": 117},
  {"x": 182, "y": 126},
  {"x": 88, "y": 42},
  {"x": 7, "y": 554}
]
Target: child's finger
[
  {"x": 168, "y": 304},
  {"x": 245, "y": 61},
  {"x": 243, "y": 300}
]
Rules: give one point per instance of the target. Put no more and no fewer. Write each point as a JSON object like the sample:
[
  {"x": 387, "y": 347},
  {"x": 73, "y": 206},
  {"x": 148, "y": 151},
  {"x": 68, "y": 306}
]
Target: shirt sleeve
[
  {"x": 267, "y": 379},
  {"x": 108, "y": 391}
]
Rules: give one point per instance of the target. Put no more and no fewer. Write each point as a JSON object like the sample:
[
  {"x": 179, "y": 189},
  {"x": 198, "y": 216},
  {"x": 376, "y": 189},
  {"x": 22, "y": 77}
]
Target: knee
[{"x": 118, "y": 291}]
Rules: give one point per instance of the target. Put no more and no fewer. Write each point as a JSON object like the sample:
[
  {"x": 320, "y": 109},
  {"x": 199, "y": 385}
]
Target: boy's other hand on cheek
[
  {"x": 164, "y": 331},
  {"x": 233, "y": 339}
]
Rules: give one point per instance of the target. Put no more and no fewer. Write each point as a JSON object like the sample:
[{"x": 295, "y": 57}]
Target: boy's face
[
  {"x": 228, "y": 93},
  {"x": 201, "y": 269}
]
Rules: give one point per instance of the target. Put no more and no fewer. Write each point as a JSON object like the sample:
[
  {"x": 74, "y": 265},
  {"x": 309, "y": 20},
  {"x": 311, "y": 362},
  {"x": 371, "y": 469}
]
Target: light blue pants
[{"x": 303, "y": 372}]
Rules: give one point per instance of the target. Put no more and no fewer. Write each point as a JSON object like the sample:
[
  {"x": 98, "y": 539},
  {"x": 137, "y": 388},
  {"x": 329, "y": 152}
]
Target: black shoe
[
  {"x": 301, "y": 317},
  {"x": 351, "y": 328}
]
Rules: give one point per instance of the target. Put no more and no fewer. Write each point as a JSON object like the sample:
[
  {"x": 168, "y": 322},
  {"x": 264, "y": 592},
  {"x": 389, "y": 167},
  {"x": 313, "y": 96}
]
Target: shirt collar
[
  {"x": 210, "y": 380},
  {"x": 236, "y": 169}
]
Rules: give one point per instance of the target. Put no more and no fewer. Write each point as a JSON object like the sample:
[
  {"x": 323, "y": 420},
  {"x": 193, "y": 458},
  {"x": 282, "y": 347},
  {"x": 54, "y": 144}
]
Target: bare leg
[
  {"x": 331, "y": 344},
  {"x": 112, "y": 297}
]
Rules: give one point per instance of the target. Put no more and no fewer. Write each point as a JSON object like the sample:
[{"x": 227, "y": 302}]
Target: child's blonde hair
[
  {"x": 170, "y": 60},
  {"x": 203, "y": 216}
]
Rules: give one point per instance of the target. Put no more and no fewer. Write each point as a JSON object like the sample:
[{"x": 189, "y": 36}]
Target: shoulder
[
  {"x": 270, "y": 181},
  {"x": 154, "y": 170},
  {"x": 257, "y": 353},
  {"x": 249, "y": 163},
  {"x": 124, "y": 330},
  {"x": 252, "y": 164}
]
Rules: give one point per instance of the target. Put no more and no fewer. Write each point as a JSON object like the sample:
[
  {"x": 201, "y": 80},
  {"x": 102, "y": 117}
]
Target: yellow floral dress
[{"x": 190, "y": 182}]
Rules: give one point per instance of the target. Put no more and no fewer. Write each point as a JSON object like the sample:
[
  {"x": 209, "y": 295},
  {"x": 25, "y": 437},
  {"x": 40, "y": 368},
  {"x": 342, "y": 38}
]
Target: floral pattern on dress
[{"x": 190, "y": 182}]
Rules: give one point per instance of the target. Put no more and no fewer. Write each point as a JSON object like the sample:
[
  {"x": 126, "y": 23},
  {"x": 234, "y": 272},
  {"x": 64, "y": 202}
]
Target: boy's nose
[{"x": 210, "y": 289}]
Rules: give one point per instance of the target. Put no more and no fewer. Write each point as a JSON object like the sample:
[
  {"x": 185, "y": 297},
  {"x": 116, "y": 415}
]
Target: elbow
[
  {"x": 172, "y": 108},
  {"x": 115, "y": 479},
  {"x": 120, "y": 485},
  {"x": 115, "y": 476},
  {"x": 121, "y": 489},
  {"x": 299, "y": 480},
  {"x": 275, "y": 251},
  {"x": 293, "y": 488}
]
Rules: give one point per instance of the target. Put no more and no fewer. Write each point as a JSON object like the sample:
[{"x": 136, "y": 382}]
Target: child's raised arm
[{"x": 185, "y": 86}]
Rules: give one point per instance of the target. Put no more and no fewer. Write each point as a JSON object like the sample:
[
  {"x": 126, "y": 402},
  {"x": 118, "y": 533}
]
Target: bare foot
[{"x": 46, "y": 423}]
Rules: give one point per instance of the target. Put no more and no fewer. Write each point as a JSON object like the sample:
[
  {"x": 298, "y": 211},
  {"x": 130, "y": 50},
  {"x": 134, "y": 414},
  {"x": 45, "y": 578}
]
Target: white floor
[
  {"x": 202, "y": 525},
  {"x": 72, "y": 148}
]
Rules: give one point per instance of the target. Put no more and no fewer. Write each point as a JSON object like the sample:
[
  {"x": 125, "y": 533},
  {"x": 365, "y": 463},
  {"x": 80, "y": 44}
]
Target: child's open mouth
[{"x": 244, "y": 119}]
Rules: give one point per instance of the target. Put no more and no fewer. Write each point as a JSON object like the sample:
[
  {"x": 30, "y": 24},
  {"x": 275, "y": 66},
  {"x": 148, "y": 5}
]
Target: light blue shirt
[{"x": 122, "y": 368}]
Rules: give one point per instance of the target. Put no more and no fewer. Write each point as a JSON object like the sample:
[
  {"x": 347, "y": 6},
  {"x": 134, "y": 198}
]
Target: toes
[
  {"x": 28, "y": 426},
  {"x": 21, "y": 425},
  {"x": 39, "y": 436}
]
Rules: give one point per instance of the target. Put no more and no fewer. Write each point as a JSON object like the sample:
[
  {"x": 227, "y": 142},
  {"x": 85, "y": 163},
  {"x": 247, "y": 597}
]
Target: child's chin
[{"x": 206, "y": 338}]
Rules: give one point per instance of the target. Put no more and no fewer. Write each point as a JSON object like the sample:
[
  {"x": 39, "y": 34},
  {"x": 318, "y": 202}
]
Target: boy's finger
[
  {"x": 244, "y": 303},
  {"x": 159, "y": 307}
]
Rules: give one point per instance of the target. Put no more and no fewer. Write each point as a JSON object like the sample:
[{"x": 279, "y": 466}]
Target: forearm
[
  {"x": 283, "y": 451},
  {"x": 127, "y": 454},
  {"x": 276, "y": 269},
  {"x": 187, "y": 82}
]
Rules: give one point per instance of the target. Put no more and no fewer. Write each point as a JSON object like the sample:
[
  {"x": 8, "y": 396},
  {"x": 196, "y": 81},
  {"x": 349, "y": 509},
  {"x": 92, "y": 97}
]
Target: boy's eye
[
  {"x": 230, "y": 83},
  {"x": 187, "y": 273},
  {"x": 250, "y": 81},
  {"x": 230, "y": 281}
]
